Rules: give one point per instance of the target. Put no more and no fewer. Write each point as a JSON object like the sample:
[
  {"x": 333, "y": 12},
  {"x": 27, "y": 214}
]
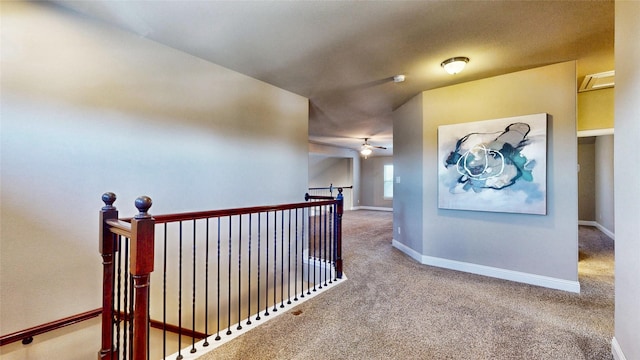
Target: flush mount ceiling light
[
  {"x": 455, "y": 64},
  {"x": 398, "y": 78}
]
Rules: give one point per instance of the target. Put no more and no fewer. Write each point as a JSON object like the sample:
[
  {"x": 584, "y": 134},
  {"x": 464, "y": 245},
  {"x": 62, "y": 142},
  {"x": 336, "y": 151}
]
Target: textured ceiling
[{"x": 342, "y": 55}]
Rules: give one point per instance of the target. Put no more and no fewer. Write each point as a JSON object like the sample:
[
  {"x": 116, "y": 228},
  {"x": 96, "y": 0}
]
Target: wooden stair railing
[
  {"x": 26, "y": 335},
  {"x": 135, "y": 238},
  {"x": 140, "y": 230},
  {"x": 325, "y": 192}
]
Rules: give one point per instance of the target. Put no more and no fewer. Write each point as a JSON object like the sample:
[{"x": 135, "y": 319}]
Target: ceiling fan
[{"x": 367, "y": 148}]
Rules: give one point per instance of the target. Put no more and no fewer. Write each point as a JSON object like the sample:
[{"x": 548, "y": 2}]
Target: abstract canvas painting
[{"x": 494, "y": 165}]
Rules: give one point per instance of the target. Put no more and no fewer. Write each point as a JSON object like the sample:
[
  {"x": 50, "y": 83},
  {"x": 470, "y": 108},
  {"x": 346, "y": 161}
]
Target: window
[{"x": 388, "y": 182}]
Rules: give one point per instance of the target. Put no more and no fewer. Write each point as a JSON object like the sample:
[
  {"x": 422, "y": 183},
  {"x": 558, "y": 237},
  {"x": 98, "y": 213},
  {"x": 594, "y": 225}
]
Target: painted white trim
[
  {"x": 407, "y": 250},
  {"x": 377, "y": 208},
  {"x": 616, "y": 350},
  {"x": 517, "y": 276},
  {"x": 596, "y": 132},
  {"x": 595, "y": 224},
  {"x": 213, "y": 344},
  {"x": 318, "y": 267},
  {"x": 606, "y": 231},
  {"x": 587, "y": 223}
]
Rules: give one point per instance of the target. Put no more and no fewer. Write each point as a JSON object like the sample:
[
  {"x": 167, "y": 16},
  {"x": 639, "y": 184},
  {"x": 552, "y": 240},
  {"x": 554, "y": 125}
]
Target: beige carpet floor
[{"x": 392, "y": 307}]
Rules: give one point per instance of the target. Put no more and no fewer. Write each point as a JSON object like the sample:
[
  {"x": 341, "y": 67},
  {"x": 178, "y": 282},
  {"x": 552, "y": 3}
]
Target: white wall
[
  {"x": 627, "y": 173},
  {"x": 408, "y": 152},
  {"x": 530, "y": 248},
  {"x": 372, "y": 188},
  {"x": 596, "y": 186},
  {"x": 324, "y": 151},
  {"x": 87, "y": 108},
  {"x": 587, "y": 179},
  {"x": 325, "y": 171},
  {"x": 604, "y": 185}
]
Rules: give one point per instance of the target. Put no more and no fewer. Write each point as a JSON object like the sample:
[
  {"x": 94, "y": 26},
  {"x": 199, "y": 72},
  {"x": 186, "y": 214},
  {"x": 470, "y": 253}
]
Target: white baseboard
[
  {"x": 407, "y": 250},
  {"x": 317, "y": 268},
  {"x": 616, "y": 350},
  {"x": 517, "y": 276},
  {"x": 214, "y": 344},
  {"x": 587, "y": 223},
  {"x": 376, "y": 208},
  {"x": 595, "y": 224}
]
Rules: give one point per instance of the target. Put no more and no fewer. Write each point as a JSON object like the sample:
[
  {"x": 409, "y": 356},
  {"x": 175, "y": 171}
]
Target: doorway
[{"x": 595, "y": 182}]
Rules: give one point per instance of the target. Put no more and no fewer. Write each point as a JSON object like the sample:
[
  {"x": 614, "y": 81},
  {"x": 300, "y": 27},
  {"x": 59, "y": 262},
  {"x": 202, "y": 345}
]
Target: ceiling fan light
[
  {"x": 455, "y": 64},
  {"x": 366, "y": 151}
]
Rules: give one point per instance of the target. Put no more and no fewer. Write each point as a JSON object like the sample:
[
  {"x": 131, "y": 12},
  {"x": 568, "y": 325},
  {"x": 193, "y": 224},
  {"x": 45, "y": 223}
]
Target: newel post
[
  {"x": 107, "y": 249},
  {"x": 141, "y": 266},
  {"x": 338, "y": 214}
]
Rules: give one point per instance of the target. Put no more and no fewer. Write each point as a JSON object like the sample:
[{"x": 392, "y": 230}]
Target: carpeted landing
[{"x": 391, "y": 307}]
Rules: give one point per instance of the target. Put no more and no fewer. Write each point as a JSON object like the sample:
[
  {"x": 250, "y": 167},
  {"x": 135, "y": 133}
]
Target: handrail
[
  {"x": 324, "y": 192},
  {"x": 308, "y": 197},
  {"x": 26, "y": 335},
  {"x": 155, "y": 324},
  {"x": 196, "y": 215},
  {"x": 120, "y": 227},
  {"x": 127, "y": 249},
  {"x": 331, "y": 187}
]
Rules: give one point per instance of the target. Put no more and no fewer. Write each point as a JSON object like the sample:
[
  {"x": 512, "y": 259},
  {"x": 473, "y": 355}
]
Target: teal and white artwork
[{"x": 494, "y": 165}]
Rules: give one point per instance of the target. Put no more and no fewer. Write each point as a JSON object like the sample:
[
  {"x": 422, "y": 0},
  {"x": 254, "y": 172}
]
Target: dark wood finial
[
  {"x": 143, "y": 203},
  {"x": 108, "y": 198}
]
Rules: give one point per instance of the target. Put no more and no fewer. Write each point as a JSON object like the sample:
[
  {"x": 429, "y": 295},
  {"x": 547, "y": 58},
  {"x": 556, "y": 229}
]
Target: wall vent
[{"x": 598, "y": 81}]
